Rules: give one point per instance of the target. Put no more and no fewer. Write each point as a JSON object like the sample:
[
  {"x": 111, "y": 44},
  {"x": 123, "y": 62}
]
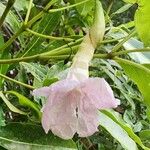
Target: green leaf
[
  {"x": 2, "y": 119},
  {"x": 58, "y": 70},
  {"x": 1, "y": 40},
  {"x": 10, "y": 106},
  {"x": 85, "y": 8},
  {"x": 122, "y": 9},
  {"x": 43, "y": 75},
  {"x": 37, "y": 70},
  {"x": 131, "y": 44},
  {"x": 11, "y": 19},
  {"x": 117, "y": 118},
  {"x": 26, "y": 102},
  {"x": 142, "y": 21},
  {"x": 145, "y": 135},
  {"x": 17, "y": 136},
  {"x": 21, "y": 5},
  {"x": 3, "y": 55},
  {"x": 117, "y": 132},
  {"x": 140, "y": 75},
  {"x": 46, "y": 26},
  {"x": 140, "y": 57},
  {"x": 147, "y": 66},
  {"x": 48, "y": 82},
  {"x": 130, "y": 1}
]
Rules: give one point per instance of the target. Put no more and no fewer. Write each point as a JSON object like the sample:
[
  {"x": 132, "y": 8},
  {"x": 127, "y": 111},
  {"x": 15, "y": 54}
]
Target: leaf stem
[
  {"x": 12, "y": 39},
  {"x": 28, "y": 12},
  {"x": 64, "y": 46},
  {"x": 61, "y": 51},
  {"x": 61, "y": 54},
  {"x": 6, "y": 11},
  {"x": 49, "y": 37},
  {"x": 40, "y": 14},
  {"x": 31, "y": 58},
  {"x": 131, "y": 51},
  {"x": 117, "y": 47},
  {"x": 109, "y": 7},
  {"x": 44, "y": 57},
  {"x": 110, "y": 41},
  {"x": 70, "y": 6},
  {"x": 15, "y": 81}
]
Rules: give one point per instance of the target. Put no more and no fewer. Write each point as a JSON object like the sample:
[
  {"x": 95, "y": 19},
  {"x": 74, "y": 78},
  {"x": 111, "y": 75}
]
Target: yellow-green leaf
[
  {"x": 142, "y": 21},
  {"x": 140, "y": 75},
  {"x": 10, "y": 106}
]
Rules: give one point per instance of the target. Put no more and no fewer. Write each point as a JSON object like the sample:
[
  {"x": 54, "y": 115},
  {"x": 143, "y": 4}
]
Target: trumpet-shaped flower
[
  {"x": 72, "y": 106},
  {"x": 73, "y": 103}
]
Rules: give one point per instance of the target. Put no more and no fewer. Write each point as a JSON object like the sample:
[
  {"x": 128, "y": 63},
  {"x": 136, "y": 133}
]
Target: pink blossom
[{"x": 72, "y": 106}]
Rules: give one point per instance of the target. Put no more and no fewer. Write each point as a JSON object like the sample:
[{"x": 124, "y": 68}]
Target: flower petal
[
  {"x": 64, "y": 85},
  {"x": 59, "y": 113},
  {"x": 87, "y": 117},
  {"x": 99, "y": 93},
  {"x": 44, "y": 91}
]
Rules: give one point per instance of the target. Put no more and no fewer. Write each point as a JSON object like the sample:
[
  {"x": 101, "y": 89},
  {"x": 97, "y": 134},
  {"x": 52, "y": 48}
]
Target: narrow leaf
[
  {"x": 2, "y": 119},
  {"x": 26, "y": 102},
  {"x": 140, "y": 75},
  {"x": 142, "y": 21},
  {"x": 117, "y": 118},
  {"x": 10, "y": 106},
  {"x": 117, "y": 132},
  {"x": 85, "y": 8}
]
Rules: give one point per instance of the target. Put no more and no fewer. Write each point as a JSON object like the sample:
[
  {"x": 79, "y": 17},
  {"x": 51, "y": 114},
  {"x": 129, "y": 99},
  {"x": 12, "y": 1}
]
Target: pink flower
[{"x": 72, "y": 106}]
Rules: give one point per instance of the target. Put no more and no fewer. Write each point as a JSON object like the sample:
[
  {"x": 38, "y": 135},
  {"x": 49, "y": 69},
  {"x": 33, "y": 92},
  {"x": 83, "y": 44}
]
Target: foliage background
[{"x": 126, "y": 125}]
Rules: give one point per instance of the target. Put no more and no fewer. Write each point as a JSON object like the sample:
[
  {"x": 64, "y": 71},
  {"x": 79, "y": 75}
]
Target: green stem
[
  {"x": 117, "y": 47},
  {"x": 64, "y": 46},
  {"x": 12, "y": 39},
  {"x": 110, "y": 41},
  {"x": 28, "y": 12},
  {"x": 38, "y": 16},
  {"x": 109, "y": 8},
  {"x": 62, "y": 54},
  {"x": 69, "y": 50},
  {"x": 49, "y": 37},
  {"x": 6, "y": 11},
  {"x": 101, "y": 56},
  {"x": 31, "y": 58},
  {"x": 16, "y": 60},
  {"x": 131, "y": 51},
  {"x": 70, "y": 6},
  {"x": 45, "y": 57},
  {"x": 67, "y": 47},
  {"x": 60, "y": 57},
  {"x": 15, "y": 81}
]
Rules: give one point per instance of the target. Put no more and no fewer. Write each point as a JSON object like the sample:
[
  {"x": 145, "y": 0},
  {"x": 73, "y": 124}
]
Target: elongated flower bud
[
  {"x": 97, "y": 30},
  {"x": 79, "y": 68}
]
